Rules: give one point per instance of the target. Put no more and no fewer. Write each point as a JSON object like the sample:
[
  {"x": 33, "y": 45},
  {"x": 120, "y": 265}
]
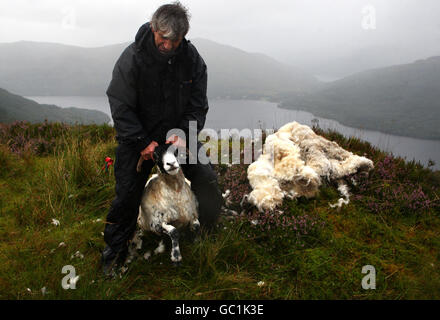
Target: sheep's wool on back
[{"x": 295, "y": 161}]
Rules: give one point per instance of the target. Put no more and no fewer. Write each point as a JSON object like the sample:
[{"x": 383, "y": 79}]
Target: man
[{"x": 159, "y": 83}]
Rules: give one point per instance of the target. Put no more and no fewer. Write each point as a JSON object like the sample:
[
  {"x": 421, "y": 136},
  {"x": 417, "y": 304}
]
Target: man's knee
[
  {"x": 205, "y": 186},
  {"x": 199, "y": 174}
]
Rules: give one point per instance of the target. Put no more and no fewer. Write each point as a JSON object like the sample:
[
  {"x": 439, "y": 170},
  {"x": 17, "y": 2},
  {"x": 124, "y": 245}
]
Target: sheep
[
  {"x": 293, "y": 164},
  {"x": 168, "y": 202}
]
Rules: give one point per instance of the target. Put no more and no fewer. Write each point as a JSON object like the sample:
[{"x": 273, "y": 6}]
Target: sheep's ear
[{"x": 155, "y": 156}]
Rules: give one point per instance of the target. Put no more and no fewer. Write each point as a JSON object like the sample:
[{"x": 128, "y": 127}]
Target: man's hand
[
  {"x": 147, "y": 153},
  {"x": 176, "y": 141}
]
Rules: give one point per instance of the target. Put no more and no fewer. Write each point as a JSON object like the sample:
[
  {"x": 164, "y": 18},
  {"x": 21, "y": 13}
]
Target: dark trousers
[{"x": 122, "y": 217}]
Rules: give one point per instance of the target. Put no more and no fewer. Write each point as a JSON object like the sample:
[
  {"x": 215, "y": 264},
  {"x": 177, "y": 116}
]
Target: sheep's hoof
[{"x": 177, "y": 263}]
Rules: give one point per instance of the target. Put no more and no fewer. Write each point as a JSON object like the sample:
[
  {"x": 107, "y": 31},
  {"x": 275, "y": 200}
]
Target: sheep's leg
[
  {"x": 195, "y": 228},
  {"x": 172, "y": 232},
  {"x": 160, "y": 248},
  {"x": 137, "y": 239},
  {"x": 135, "y": 244},
  {"x": 244, "y": 200}
]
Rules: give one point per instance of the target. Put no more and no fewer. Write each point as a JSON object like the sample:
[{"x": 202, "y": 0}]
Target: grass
[{"x": 304, "y": 250}]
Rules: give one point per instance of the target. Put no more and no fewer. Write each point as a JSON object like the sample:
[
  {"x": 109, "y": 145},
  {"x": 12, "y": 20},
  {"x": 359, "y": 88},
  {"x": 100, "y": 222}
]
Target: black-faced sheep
[{"x": 168, "y": 202}]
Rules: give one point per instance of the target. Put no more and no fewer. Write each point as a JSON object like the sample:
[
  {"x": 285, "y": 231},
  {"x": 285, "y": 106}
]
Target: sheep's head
[{"x": 165, "y": 157}]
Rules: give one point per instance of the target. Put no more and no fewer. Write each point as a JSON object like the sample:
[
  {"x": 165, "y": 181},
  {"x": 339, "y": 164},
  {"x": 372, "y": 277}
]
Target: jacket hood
[
  {"x": 142, "y": 35},
  {"x": 145, "y": 34}
]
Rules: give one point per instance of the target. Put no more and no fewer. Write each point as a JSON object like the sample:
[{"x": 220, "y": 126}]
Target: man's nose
[{"x": 168, "y": 45}]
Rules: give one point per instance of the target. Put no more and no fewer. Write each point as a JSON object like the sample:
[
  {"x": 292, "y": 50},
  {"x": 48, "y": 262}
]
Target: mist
[{"x": 324, "y": 38}]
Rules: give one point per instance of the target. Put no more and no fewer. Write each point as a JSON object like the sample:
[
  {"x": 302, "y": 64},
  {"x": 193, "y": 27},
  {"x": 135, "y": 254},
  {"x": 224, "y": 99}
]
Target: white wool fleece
[{"x": 293, "y": 164}]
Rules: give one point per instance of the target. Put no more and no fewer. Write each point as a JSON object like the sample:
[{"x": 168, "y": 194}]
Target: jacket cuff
[{"x": 142, "y": 143}]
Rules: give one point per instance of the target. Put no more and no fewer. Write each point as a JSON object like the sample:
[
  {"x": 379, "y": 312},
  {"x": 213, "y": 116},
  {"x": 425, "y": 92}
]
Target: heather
[
  {"x": 304, "y": 249},
  {"x": 397, "y": 189}
]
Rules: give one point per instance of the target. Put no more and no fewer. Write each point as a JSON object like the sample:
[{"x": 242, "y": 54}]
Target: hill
[
  {"x": 402, "y": 99},
  {"x": 16, "y": 108},
  {"x": 38, "y": 69},
  {"x": 237, "y": 74},
  {"x": 50, "y": 69},
  {"x": 343, "y": 61},
  {"x": 304, "y": 250}
]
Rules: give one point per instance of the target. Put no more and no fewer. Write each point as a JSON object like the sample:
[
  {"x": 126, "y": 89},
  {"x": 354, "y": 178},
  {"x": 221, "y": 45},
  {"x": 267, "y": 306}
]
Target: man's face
[{"x": 164, "y": 45}]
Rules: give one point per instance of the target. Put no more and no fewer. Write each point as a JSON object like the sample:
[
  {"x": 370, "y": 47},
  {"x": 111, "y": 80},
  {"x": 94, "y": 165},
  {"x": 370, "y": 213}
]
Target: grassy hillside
[
  {"x": 16, "y": 108},
  {"x": 309, "y": 251}
]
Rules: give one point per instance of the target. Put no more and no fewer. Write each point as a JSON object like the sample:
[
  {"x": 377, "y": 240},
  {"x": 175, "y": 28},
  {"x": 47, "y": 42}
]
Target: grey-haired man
[{"x": 159, "y": 83}]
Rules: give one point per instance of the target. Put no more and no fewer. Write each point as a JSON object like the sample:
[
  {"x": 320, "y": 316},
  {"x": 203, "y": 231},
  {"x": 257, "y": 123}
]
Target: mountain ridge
[
  {"x": 401, "y": 99},
  {"x": 50, "y": 69}
]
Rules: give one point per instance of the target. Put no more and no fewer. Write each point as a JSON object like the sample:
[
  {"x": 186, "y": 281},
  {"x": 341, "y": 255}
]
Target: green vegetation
[{"x": 309, "y": 251}]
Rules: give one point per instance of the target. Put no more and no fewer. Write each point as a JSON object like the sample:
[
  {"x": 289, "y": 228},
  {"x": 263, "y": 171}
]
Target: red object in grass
[{"x": 108, "y": 163}]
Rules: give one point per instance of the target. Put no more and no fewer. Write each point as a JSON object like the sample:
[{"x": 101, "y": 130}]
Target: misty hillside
[
  {"x": 401, "y": 99},
  {"x": 38, "y": 69},
  {"x": 16, "y": 108},
  {"x": 236, "y": 73},
  {"x": 342, "y": 62}
]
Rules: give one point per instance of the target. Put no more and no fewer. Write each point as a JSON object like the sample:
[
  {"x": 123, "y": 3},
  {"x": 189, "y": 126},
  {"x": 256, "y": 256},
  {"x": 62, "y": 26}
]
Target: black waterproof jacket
[{"x": 149, "y": 95}]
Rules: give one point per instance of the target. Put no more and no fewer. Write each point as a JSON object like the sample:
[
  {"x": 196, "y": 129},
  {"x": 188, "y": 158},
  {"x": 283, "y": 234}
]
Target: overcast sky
[{"x": 276, "y": 27}]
